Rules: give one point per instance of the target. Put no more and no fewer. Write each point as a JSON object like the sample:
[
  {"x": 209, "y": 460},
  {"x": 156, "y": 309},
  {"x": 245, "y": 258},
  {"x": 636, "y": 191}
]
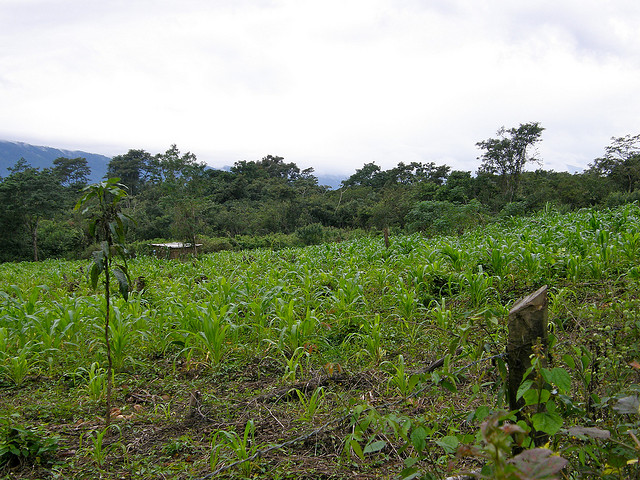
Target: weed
[{"x": 20, "y": 444}]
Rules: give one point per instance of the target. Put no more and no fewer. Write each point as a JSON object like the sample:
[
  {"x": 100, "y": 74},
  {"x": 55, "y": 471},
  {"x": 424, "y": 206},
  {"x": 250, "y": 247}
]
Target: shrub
[
  {"x": 444, "y": 218},
  {"x": 311, "y": 234},
  {"x": 19, "y": 444}
]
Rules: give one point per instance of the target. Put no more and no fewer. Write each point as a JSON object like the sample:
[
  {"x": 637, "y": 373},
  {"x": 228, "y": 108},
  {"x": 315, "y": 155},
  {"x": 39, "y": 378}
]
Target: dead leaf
[
  {"x": 629, "y": 404},
  {"x": 538, "y": 464},
  {"x": 590, "y": 432}
]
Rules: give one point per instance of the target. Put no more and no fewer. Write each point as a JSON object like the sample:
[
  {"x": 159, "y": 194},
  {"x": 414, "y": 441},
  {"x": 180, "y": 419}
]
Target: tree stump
[{"x": 527, "y": 327}]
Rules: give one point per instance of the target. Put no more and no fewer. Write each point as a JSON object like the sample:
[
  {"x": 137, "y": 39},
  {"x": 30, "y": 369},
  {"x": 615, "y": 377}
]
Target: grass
[{"x": 258, "y": 333}]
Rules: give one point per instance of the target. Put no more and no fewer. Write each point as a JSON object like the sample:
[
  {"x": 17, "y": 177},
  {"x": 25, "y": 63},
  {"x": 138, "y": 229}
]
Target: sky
[{"x": 328, "y": 84}]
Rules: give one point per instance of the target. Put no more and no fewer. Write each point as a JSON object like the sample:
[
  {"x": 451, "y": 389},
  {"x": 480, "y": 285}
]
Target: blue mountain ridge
[{"x": 43, "y": 157}]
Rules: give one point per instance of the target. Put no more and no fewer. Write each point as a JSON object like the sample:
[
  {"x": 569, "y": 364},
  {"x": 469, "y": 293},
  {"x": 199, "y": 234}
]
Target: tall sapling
[{"x": 107, "y": 225}]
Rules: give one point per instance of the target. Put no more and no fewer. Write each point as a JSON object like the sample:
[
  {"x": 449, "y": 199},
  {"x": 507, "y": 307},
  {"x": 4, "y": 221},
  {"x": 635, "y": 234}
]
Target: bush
[
  {"x": 19, "y": 444},
  {"x": 311, "y": 234},
  {"x": 59, "y": 239},
  {"x": 214, "y": 244},
  {"x": 615, "y": 199},
  {"x": 514, "y": 209},
  {"x": 444, "y": 218}
]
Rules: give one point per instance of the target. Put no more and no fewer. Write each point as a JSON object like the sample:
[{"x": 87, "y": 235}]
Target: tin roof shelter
[{"x": 175, "y": 250}]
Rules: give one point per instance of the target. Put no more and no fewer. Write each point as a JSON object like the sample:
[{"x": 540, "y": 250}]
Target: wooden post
[
  {"x": 527, "y": 327},
  {"x": 386, "y": 237}
]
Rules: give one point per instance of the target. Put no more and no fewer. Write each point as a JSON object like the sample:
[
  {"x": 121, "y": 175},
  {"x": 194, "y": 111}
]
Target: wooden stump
[{"x": 527, "y": 327}]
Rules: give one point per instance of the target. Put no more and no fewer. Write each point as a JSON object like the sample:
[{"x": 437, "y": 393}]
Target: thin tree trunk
[
  {"x": 34, "y": 241},
  {"x": 107, "y": 297}
]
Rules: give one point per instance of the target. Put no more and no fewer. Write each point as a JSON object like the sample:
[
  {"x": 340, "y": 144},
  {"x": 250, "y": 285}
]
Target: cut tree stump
[{"x": 527, "y": 327}]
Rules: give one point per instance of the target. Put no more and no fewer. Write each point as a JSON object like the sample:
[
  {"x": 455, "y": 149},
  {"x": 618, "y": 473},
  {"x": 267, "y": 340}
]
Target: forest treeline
[{"x": 270, "y": 202}]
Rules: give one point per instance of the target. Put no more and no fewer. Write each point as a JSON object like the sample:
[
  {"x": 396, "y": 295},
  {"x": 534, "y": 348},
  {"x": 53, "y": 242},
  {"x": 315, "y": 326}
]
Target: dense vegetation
[
  {"x": 272, "y": 203},
  {"x": 322, "y": 361}
]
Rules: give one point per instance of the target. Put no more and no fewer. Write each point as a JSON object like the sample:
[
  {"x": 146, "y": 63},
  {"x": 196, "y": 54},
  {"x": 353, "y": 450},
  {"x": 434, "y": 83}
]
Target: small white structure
[{"x": 175, "y": 250}]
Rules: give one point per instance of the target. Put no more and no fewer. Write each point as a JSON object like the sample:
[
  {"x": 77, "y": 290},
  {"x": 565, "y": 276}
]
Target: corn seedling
[
  {"x": 237, "y": 447},
  {"x": 401, "y": 379},
  {"x": 98, "y": 449},
  {"x": 310, "y": 403}
]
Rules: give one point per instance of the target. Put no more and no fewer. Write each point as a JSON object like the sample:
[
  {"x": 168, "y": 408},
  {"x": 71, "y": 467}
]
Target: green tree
[
  {"x": 173, "y": 168},
  {"x": 27, "y": 196},
  {"x": 108, "y": 225},
  {"x": 72, "y": 172},
  {"x": 367, "y": 176},
  {"x": 508, "y": 154},
  {"x": 621, "y": 162},
  {"x": 132, "y": 169}
]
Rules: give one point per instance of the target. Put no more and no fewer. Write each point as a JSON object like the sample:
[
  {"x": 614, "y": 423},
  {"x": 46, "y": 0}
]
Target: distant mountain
[
  {"x": 43, "y": 157},
  {"x": 332, "y": 181}
]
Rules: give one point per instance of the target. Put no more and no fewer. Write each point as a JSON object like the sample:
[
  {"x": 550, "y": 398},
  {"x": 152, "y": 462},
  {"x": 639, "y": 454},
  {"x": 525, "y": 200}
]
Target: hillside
[
  {"x": 43, "y": 157},
  {"x": 336, "y": 361}
]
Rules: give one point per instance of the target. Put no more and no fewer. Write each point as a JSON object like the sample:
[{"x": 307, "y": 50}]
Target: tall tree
[
  {"x": 28, "y": 195},
  {"x": 132, "y": 169},
  {"x": 72, "y": 172},
  {"x": 508, "y": 154},
  {"x": 367, "y": 176},
  {"x": 621, "y": 162},
  {"x": 174, "y": 168}
]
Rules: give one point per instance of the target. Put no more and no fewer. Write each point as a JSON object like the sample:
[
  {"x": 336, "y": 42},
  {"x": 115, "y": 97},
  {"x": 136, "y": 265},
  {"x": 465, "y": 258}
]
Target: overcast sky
[{"x": 329, "y": 84}]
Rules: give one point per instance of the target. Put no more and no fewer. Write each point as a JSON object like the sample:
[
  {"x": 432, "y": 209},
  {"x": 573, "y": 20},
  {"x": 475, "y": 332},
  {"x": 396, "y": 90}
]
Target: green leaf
[
  {"x": 568, "y": 359},
  {"x": 547, "y": 422},
  {"x": 123, "y": 283},
  {"x": 375, "y": 446},
  {"x": 355, "y": 446},
  {"x": 532, "y": 397},
  {"x": 409, "y": 473},
  {"x": 419, "y": 438},
  {"x": 482, "y": 412},
  {"x": 558, "y": 377},
  {"x": 523, "y": 388},
  {"x": 449, "y": 385},
  {"x": 449, "y": 443},
  {"x": 95, "y": 275}
]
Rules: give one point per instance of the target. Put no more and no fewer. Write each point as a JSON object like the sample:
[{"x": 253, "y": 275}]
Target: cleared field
[{"x": 318, "y": 362}]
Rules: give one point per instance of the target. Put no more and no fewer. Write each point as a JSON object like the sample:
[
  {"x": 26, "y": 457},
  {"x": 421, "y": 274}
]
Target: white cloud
[{"x": 331, "y": 84}]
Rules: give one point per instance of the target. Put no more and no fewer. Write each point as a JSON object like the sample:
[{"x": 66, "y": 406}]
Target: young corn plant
[
  {"x": 212, "y": 334},
  {"x": 96, "y": 380},
  {"x": 401, "y": 379},
  {"x": 235, "y": 447},
  {"x": 371, "y": 337},
  {"x": 310, "y": 403},
  {"x": 18, "y": 366},
  {"x": 293, "y": 364},
  {"x": 98, "y": 449}
]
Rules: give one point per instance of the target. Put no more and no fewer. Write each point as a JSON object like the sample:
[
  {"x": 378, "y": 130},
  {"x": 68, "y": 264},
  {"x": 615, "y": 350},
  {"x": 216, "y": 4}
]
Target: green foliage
[
  {"x": 98, "y": 449},
  {"x": 20, "y": 444},
  {"x": 310, "y": 403},
  {"x": 108, "y": 225},
  {"x": 265, "y": 318},
  {"x": 311, "y": 234},
  {"x": 508, "y": 154},
  {"x": 232, "y": 445},
  {"x": 444, "y": 218}
]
